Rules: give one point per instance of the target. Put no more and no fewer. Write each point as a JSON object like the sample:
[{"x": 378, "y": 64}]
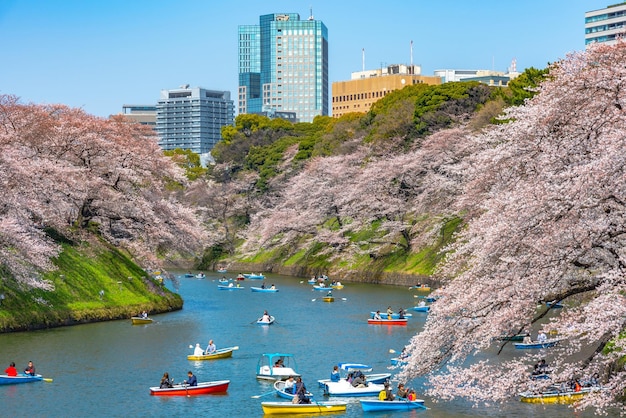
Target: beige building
[{"x": 366, "y": 87}]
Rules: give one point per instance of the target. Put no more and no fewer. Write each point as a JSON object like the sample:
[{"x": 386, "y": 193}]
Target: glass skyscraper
[{"x": 283, "y": 66}]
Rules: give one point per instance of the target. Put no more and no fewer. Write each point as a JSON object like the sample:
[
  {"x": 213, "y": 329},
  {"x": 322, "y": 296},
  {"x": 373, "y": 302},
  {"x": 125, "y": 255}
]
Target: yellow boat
[
  {"x": 138, "y": 320},
  {"x": 303, "y": 408},
  {"x": 217, "y": 354},
  {"x": 328, "y": 299},
  {"x": 556, "y": 396}
]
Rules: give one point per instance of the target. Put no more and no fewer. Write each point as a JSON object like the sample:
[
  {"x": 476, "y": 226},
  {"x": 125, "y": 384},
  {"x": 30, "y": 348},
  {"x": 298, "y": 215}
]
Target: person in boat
[
  {"x": 421, "y": 304},
  {"x": 385, "y": 394},
  {"x": 290, "y": 385},
  {"x": 144, "y": 315},
  {"x": 377, "y": 316},
  {"x": 191, "y": 379},
  {"x": 30, "y": 369},
  {"x": 210, "y": 349},
  {"x": 401, "y": 313},
  {"x": 542, "y": 337},
  {"x": 527, "y": 339},
  {"x": 402, "y": 392},
  {"x": 389, "y": 312},
  {"x": 197, "y": 351},
  {"x": 335, "y": 375},
  {"x": 266, "y": 317},
  {"x": 166, "y": 381},
  {"x": 412, "y": 395},
  {"x": 403, "y": 354},
  {"x": 301, "y": 391},
  {"x": 263, "y": 285},
  {"x": 329, "y": 294},
  {"x": 273, "y": 287},
  {"x": 577, "y": 386},
  {"x": 279, "y": 363},
  {"x": 11, "y": 370},
  {"x": 359, "y": 381},
  {"x": 231, "y": 285},
  {"x": 594, "y": 380}
]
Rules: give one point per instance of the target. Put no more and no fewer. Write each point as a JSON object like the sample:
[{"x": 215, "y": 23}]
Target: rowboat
[
  {"x": 20, "y": 378},
  {"x": 217, "y": 354},
  {"x": 336, "y": 285},
  {"x": 180, "y": 389},
  {"x": 393, "y": 315},
  {"x": 223, "y": 281},
  {"x": 384, "y": 321},
  {"x": 229, "y": 287},
  {"x": 397, "y": 361},
  {"x": 421, "y": 308},
  {"x": 303, "y": 408},
  {"x": 557, "y": 396},
  {"x": 264, "y": 290},
  {"x": 279, "y": 387},
  {"x": 253, "y": 276},
  {"x": 421, "y": 288},
  {"x": 536, "y": 344},
  {"x": 369, "y": 405},
  {"x": 260, "y": 321},
  {"x": 200, "y": 276},
  {"x": 320, "y": 287},
  {"x": 554, "y": 305},
  {"x": 377, "y": 378},
  {"x": 328, "y": 298},
  {"x": 267, "y": 370},
  {"x": 222, "y": 270},
  {"x": 311, "y": 281},
  {"x": 138, "y": 320},
  {"x": 345, "y": 388}
]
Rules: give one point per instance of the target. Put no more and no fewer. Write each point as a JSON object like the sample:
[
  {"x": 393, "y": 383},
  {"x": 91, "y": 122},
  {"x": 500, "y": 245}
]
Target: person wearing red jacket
[{"x": 11, "y": 370}]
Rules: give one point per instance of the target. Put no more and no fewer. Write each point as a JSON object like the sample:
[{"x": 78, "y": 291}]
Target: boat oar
[
  {"x": 392, "y": 351},
  {"x": 264, "y": 394},
  {"x": 47, "y": 379}
]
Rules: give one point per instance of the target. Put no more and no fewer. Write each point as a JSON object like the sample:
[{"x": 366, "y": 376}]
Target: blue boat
[
  {"x": 253, "y": 276},
  {"x": 263, "y": 289},
  {"x": 20, "y": 378},
  {"x": 229, "y": 287},
  {"x": 276, "y": 366},
  {"x": 260, "y": 321},
  {"x": 223, "y": 281},
  {"x": 369, "y": 405},
  {"x": 537, "y": 344},
  {"x": 279, "y": 387},
  {"x": 377, "y": 378},
  {"x": 421, "y": 308},
  {"x": 554, "y": 305},
  {"x": 397, "y": 361},
  {"x": 322, "y": 288}
]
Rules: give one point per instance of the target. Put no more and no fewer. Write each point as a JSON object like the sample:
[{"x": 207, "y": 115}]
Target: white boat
[
  {"x": 377, "y": 378},
  {"x": 345, "y": 388},
  {"x": 268, "y": 367}
]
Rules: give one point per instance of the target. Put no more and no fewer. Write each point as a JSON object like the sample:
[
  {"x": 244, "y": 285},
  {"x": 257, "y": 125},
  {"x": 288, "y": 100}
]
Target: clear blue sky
[{"x": 99, "y": 55}]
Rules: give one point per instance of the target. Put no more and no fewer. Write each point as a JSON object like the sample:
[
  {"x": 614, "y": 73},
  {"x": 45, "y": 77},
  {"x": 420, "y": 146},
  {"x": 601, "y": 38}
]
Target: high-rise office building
[
  {"x": 605, "y": 25},
  {"x": 283, "y": 66},
  {"x": 192, "y": 118}
]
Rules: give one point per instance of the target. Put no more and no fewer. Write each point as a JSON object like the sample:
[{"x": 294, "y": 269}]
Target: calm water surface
[{"x": 106, "y": 369}]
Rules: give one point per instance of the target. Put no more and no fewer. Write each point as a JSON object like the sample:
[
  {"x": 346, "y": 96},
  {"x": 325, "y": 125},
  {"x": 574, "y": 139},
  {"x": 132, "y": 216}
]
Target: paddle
[
  {"x": 392, "y": 351},
  {"x": 264, "y": 394},
  {"x": 186, "y": 390},
  {"x": 47, "y": 379}
]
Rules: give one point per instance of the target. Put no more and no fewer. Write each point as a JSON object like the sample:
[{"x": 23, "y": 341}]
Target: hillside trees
[
  {"x": 547, "y": 193},
  {"x": 64, "y": 170}
]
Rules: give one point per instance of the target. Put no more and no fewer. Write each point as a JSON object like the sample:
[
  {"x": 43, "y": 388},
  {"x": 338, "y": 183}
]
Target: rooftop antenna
[
  {"x": 411, "y": 53},
  {"x": 311, "y": 13},
  {"x": 363, "y": 59}
]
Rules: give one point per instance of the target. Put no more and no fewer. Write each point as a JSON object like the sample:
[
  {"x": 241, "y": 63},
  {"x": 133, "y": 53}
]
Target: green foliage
[
  {"x": 83, "y": 271},
  {"x": 188, "y": 161},
  {"x": 524, "y": 86}
]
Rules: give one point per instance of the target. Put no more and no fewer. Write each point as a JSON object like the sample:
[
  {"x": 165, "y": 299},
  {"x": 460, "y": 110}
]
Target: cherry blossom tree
[
  {"x": 547, "y": 198},
  {"x": 65, "y": 170}
]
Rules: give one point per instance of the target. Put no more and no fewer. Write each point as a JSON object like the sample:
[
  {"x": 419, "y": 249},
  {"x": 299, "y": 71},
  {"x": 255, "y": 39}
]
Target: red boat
[
  {"x": 384, "y": 321},
  {"x": 203, "y": 388}
]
